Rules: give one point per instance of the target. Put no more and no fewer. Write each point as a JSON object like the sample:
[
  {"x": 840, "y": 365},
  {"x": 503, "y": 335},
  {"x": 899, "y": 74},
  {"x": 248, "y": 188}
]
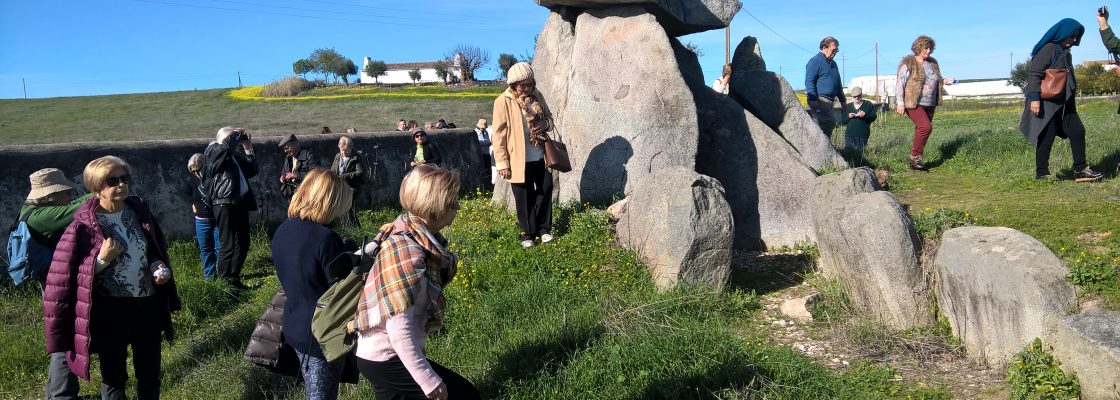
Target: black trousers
[
  {"x": 233, "y": 235},
  {"x": 118, "y": 323},
  {"x": 533, "y": 200},
  {"x": 1073, "y": 129},
  {"x": 391, "y": 381}
]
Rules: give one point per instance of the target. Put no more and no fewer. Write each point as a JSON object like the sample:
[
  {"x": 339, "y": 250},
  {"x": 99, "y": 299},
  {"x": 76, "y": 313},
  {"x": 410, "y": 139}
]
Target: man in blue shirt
[{"x": 823, "y": 86}]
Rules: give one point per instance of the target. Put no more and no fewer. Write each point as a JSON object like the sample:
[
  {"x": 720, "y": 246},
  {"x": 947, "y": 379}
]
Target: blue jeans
[
  {"x": 320, "y": 377},
  {"x": 206, "y": 231}
]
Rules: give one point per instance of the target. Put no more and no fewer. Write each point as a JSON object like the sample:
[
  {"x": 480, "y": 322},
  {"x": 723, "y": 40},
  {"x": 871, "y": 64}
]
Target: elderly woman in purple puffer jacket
[{"x": 113, "y": 255}]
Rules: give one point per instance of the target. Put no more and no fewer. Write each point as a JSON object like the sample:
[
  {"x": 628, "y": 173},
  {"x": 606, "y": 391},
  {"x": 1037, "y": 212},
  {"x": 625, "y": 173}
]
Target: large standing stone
[
  {"x": 748, "y": 56},
  {"x": 680, "y": 224},
  {"x": 628, "y": 111},
  {"x": 679, "y": 17},
  {"x": 875, "y": 253},
  {"x": 768, "y": 96},
  {"x": 1089, "y": 344},
  {"x": 830, "y": 194},
  {"x": 1000, "y": 288},
  {"x": 767, "y": 184}
]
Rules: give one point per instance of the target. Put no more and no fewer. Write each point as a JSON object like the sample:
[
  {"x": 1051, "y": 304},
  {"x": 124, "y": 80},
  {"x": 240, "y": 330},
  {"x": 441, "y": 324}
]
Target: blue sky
[{"x": 75, "y": 48}]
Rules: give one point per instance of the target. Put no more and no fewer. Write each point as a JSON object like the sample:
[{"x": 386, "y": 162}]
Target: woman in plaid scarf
[{"x": 402, "y": 301}]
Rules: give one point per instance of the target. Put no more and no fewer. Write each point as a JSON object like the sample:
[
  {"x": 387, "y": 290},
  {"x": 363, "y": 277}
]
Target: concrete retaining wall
[{"x": 160, "y": 170}]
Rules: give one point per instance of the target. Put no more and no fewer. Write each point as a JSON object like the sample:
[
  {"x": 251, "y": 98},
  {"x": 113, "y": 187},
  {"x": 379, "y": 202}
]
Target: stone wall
[{"x": 160, "y": 170}]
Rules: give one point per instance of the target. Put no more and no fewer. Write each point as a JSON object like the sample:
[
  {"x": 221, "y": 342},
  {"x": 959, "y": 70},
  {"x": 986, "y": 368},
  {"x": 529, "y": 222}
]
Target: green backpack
[{"x": 339, "y": 304}]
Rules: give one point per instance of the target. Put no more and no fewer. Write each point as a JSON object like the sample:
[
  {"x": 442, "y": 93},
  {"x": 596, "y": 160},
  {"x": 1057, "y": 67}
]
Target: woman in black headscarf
[{"x": 1045, "y": 119}]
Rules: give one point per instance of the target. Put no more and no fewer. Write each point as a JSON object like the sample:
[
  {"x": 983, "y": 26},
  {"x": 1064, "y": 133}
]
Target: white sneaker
[
  {"x": 526, "y": 243},
  {"x": 545, "y": 238}
]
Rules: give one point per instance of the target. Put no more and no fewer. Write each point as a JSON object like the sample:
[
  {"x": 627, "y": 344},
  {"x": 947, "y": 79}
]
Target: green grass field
[
  {"x": 579, "y": 318},
  {"x": 199, "y": 114}
]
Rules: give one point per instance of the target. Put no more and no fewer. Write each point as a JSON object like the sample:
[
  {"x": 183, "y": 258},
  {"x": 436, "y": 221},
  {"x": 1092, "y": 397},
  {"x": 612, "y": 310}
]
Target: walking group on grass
[
  {"x": 1049, "y": 111},
  {"x": 109, "y": 284}
]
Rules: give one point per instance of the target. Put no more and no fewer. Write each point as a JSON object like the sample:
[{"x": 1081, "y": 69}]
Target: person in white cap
[
  {"x": 857, "y": 117},
  {"x": 485, "y": 150},
  {"x": 520, "y": 130},
  {"x": 49, "y": 209}
]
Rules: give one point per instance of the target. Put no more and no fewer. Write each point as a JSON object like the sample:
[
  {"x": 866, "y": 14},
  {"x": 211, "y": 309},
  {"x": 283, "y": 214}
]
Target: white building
[
  {"x": 992, "y": 89},
  {"x": 398, "y": 73}
]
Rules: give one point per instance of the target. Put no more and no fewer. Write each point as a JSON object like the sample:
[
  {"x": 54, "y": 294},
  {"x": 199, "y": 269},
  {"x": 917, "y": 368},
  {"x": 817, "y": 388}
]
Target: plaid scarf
[
  {"x": 409, "y": 252},
  {"x": 535, "y": 116}
]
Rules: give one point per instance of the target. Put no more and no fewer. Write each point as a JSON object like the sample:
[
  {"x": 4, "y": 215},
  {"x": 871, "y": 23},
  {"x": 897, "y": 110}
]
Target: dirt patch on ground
[{"x": 781, "y": 277}]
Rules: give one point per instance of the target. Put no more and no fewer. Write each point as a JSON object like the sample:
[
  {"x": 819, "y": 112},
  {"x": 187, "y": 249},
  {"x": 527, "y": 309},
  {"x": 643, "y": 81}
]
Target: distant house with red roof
[{"x": 398, "y": 72}]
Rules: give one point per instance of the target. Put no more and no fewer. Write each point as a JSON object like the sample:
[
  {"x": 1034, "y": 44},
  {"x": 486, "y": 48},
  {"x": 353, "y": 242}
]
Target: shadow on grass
[
  {"x": 768, "y": 272},
  {"x": 260, "y": 384},
  {"x": 535, "y": 359},
  {"x": 949, "y": 149},
  {"x": 1110, "y": 164},
  {"x": 738, "y": 375}
]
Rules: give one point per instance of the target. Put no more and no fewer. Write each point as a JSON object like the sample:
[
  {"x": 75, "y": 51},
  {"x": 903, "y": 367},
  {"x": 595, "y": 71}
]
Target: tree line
[{"x": 467, "y": 59}]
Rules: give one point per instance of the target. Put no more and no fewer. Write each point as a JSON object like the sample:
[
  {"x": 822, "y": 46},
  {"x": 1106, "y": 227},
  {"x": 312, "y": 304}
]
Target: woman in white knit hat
[{"x": 519, "y": 131}]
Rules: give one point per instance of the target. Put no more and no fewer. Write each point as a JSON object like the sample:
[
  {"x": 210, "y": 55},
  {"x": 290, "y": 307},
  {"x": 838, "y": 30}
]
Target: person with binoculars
[{"x": 229, "y": 166}]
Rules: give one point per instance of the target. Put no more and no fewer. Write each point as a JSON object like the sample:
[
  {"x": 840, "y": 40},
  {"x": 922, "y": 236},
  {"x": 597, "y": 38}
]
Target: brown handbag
[
  {"x": 556, "y": 156},
  {"x": 1054, "y": 84}
]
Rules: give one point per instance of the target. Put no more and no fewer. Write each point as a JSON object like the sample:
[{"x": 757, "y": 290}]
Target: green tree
[
  {"x": 1088, "y": 78},
  {"x": 468, "y": 59},
  {"x": 504, "y": 62},
  {"x": 1019, "y": 75},
  {"x": 327, "y": 62},
  {"x": 344, "y": 69},
  {"x": 694, "y": 48},
  {"x": 414, "y": 75},
  {"x": 376, "y": 68},
  {"x": 1109, "y": 82},
  {"x": 442, "y": 70},
  {"x": 302, "y": 67}
]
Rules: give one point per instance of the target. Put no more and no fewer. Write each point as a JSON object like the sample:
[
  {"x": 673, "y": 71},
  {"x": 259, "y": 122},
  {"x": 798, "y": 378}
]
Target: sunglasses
[
  {"x": 418, "y": 135},
  {"x": 114, "y": 181}
]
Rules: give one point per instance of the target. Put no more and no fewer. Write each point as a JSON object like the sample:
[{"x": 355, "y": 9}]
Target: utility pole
[
  {"x": 239, "y": 79},
  {"x": 24, "y": 80},
  {"x": 727, "y": 42},
  {"x": 843, "y": 67},
  {"x": 1012, "y": 61},
  {"x": 877, "y": 71}
]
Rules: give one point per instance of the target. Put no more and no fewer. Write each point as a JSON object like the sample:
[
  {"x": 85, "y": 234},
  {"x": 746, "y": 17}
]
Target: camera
[
  {"x": 237, "y": 136},
  {"x": 1103, "y": 11}
]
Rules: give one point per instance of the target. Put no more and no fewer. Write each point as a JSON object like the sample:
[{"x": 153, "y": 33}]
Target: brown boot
[{"x": 916, "y": 163}]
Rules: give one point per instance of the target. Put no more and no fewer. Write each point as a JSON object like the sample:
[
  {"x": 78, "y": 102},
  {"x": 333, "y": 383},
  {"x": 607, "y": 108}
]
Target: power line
[
  {"x": 398, "y": 9},
  {"x": 391, "y": 17},
  {"x": 319, "y": 17},
  {"x": 775, "y": 32}
]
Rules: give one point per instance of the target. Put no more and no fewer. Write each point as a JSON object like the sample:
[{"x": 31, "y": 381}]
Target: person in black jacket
[
  {"x": 302, "y": 249},
  {"x": 1043, "y": 120},
  {"x": 425, "y": 152},
  {"x": 298, "y": 161},
  {"x": 229, "y": 165}
]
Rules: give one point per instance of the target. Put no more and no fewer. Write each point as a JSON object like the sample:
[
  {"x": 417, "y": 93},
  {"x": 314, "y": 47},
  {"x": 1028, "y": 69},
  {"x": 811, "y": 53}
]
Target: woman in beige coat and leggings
[{"x": 521, "y": 122}]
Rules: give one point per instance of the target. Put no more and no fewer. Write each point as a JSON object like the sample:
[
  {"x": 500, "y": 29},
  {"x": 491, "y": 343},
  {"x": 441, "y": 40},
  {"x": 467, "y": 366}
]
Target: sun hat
[
  {"x": 857, "y": 91},
  {"x": 481, "y": 124},
  {"x": 48, "y": 181},
  {"x": 519, "y": 72}
]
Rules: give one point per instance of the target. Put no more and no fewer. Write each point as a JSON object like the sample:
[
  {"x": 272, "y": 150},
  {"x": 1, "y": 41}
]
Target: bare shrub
[{"x": 287, "y": 87}]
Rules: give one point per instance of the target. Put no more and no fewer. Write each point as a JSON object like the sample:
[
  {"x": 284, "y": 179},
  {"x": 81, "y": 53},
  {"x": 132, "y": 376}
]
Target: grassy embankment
[{"x": 198, "y": 114}]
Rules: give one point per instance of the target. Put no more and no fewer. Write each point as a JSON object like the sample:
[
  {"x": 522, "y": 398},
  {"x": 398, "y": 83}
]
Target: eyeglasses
[{"x": 114, "y": 181}]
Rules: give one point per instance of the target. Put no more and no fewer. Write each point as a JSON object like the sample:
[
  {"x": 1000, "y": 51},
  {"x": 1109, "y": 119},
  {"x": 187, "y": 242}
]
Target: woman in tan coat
[{"x": 519, "y": 131}]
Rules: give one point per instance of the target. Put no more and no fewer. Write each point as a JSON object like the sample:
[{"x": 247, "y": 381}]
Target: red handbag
[{"x": 1054, "y": 83}]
